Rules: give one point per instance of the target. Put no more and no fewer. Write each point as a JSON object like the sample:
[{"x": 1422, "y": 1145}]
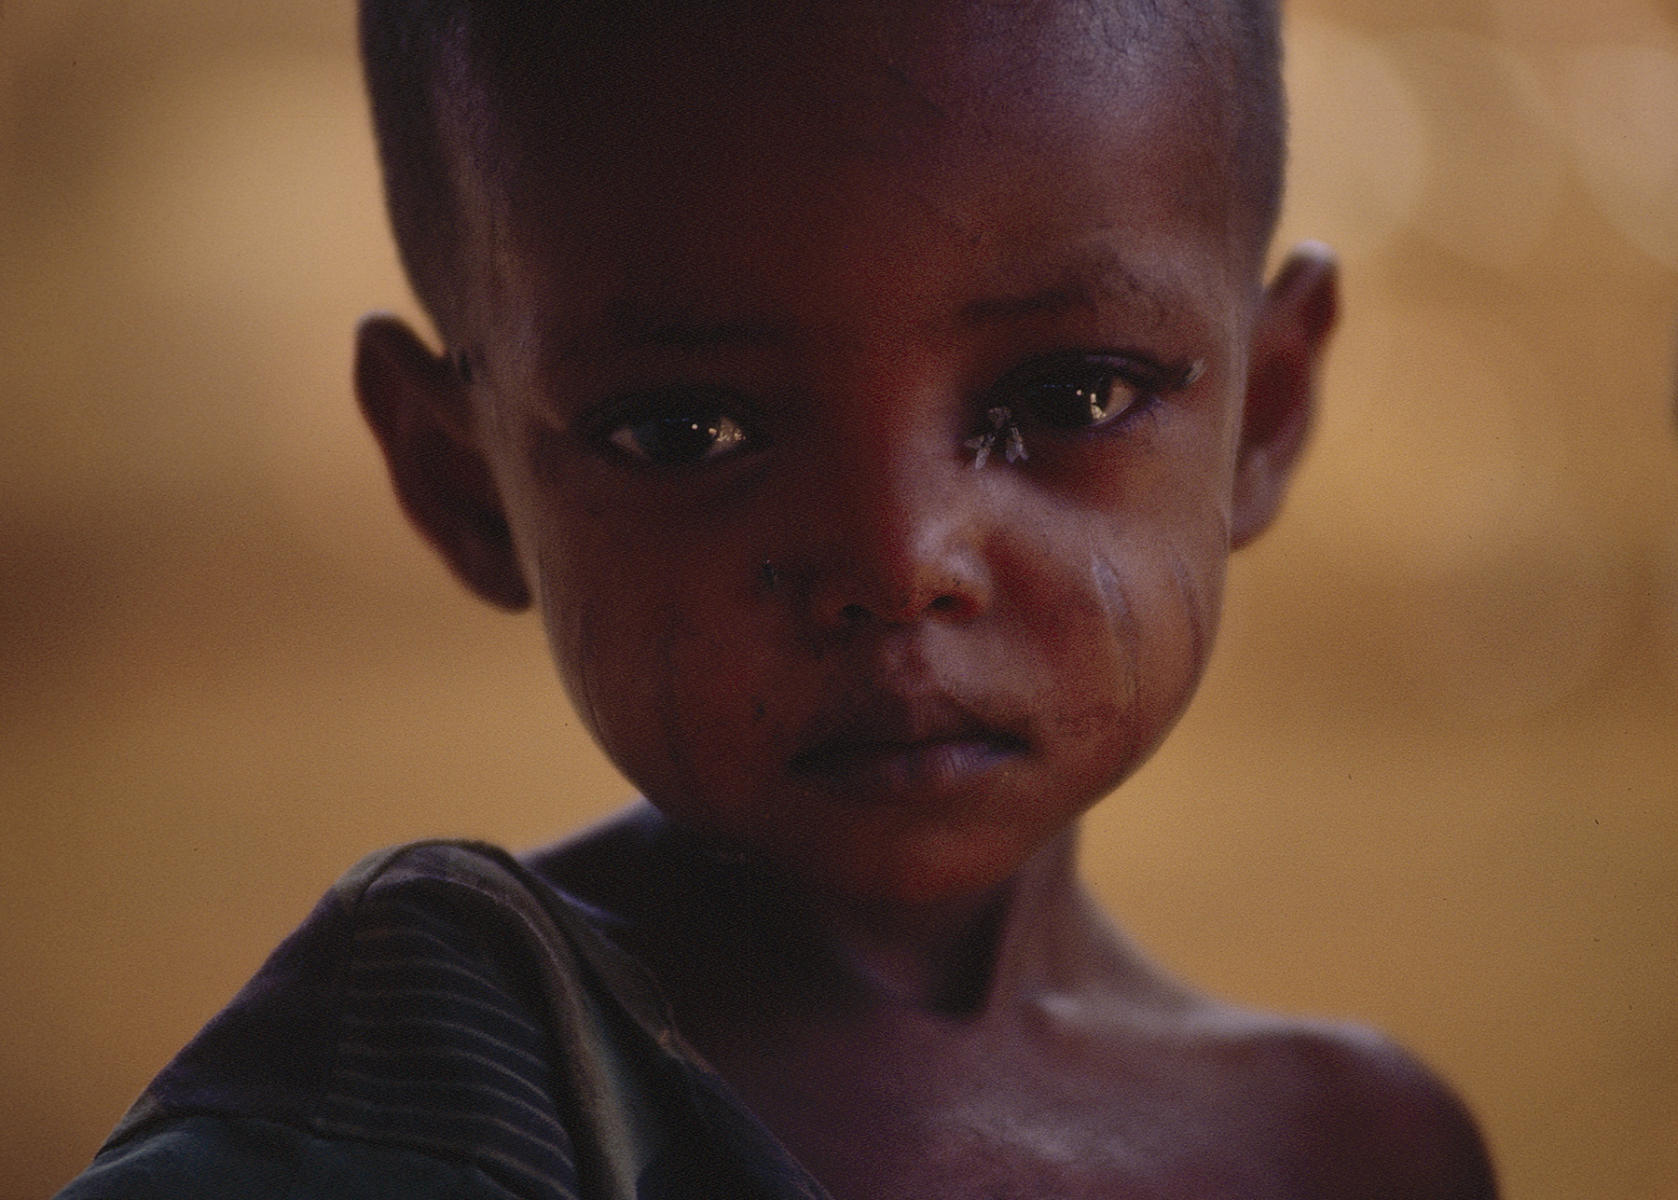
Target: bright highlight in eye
[
  {"x": 1101, "y": 401},
  {"x": 679, "y": 439},
  {"x": 1073, "y": 403},
  {"x": 1087, "y": 392}
]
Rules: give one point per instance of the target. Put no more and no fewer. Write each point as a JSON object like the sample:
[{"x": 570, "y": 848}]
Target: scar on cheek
[
  {"x": 1122, "y": 620},
  {"x": 1112, "y": 598},
  {"x": 1193, "y": 610}
]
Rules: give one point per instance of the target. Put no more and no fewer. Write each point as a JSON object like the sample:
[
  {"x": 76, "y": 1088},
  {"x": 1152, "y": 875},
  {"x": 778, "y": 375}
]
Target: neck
[
  {"x": 957, "y": 957},
  {"x": 719, "y": 930}
]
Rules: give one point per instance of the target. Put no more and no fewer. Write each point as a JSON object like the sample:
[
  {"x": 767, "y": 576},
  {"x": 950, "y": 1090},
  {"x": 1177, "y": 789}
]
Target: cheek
[
  {"x": 1123, "y": 630},
  {"x": 618, "y": 662},
  {"x": 668, "y": 667},
  {"x": 605, "y": 661},
  {"x": 623, "y": 621}
]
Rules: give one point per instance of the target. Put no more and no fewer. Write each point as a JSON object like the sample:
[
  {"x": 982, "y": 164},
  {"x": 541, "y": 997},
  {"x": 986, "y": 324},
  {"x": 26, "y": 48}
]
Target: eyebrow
[
  {"x": 1091, "y": 281},
  {"x": 627, "y": 325}
]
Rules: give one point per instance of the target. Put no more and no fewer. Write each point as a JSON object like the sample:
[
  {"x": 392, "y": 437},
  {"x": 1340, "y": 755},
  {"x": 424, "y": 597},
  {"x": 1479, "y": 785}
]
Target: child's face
[{"x": 731, "y": 357}]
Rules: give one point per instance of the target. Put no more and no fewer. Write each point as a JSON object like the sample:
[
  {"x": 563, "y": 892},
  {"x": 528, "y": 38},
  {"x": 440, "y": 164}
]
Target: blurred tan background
[{"x": 1432, "y": 781}]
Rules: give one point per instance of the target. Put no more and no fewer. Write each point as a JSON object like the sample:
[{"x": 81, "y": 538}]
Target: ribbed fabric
[
  {"x": 445, "y": 1024},
  {"x": 435, "y": 1054}
]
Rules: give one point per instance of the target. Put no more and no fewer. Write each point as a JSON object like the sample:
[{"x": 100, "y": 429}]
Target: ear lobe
[
  {"x": 417, "y": 407},
  {"x": 1290, "y": 335}
]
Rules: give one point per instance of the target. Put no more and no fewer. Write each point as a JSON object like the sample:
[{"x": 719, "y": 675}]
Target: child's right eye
[{"x": 675, "y": 430}]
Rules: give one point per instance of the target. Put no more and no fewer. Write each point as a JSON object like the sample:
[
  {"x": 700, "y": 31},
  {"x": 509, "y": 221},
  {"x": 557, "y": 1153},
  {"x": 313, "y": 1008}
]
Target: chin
[{"x": 909, "y": 868}]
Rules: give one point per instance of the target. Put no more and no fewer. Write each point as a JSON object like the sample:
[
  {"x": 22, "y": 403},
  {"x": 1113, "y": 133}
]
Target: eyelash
[
  {"x": 1073, "y": 393},
  {"x": 1061, "y": 393},
  {"x": 696, "y": 425}
]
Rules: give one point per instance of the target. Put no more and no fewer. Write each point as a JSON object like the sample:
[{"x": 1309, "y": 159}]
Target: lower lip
[{"x": 893, "y": 772}]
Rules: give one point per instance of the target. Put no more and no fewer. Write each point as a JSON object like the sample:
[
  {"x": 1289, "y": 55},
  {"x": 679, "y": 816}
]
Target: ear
[
  {"x": 1290, "y": 334},
  {"x": 418, "y": 407}
]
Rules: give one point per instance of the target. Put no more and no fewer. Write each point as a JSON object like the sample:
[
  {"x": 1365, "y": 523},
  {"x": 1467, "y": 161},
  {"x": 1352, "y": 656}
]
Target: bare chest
[
  {"x": 1066, "y": 1159},
  {"x": 975, "y": 1122}
]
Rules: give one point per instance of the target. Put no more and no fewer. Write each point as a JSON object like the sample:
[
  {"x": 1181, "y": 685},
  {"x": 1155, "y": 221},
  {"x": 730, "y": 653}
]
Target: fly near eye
[{"x": 678, "y": 439}]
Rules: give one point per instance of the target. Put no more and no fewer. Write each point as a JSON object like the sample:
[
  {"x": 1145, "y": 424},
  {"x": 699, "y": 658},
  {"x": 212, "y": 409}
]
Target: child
[{"x": 868, "y": 394}]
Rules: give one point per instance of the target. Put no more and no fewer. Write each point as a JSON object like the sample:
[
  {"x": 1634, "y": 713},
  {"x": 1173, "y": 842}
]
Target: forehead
[
  {"x": 840, "y": 78},
  {"x": 680, "y": 153}
]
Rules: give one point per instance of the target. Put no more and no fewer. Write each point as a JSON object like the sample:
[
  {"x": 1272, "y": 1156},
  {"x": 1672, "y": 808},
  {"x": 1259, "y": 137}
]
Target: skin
[{"x": 866, "y": 688}]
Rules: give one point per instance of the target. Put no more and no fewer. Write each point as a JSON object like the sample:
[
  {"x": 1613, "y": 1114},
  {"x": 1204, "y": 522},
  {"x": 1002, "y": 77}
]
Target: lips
[{"x": 890, "y": 748}]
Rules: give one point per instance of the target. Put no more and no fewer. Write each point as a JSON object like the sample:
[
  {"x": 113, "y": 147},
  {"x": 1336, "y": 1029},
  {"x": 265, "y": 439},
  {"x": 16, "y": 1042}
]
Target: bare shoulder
[{"x": 1356, "y": 1114}]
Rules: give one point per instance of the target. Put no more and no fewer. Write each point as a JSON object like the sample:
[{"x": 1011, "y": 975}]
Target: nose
[{"x": 896, "y": 535}]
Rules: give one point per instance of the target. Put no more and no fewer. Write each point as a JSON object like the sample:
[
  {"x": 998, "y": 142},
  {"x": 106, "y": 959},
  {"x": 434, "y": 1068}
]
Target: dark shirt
[{"x": 444, "y": 1024}]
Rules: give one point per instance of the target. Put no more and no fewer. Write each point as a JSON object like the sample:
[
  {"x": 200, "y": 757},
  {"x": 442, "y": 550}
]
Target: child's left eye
[{"x": 1080, "y": 393}]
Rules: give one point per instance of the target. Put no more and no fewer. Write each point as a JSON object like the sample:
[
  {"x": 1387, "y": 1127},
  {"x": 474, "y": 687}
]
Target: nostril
[{"x": 946, "y": 604}]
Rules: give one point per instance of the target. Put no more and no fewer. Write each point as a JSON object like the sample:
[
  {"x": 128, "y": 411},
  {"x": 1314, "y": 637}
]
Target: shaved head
[{"x": 448, "y": 78}]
